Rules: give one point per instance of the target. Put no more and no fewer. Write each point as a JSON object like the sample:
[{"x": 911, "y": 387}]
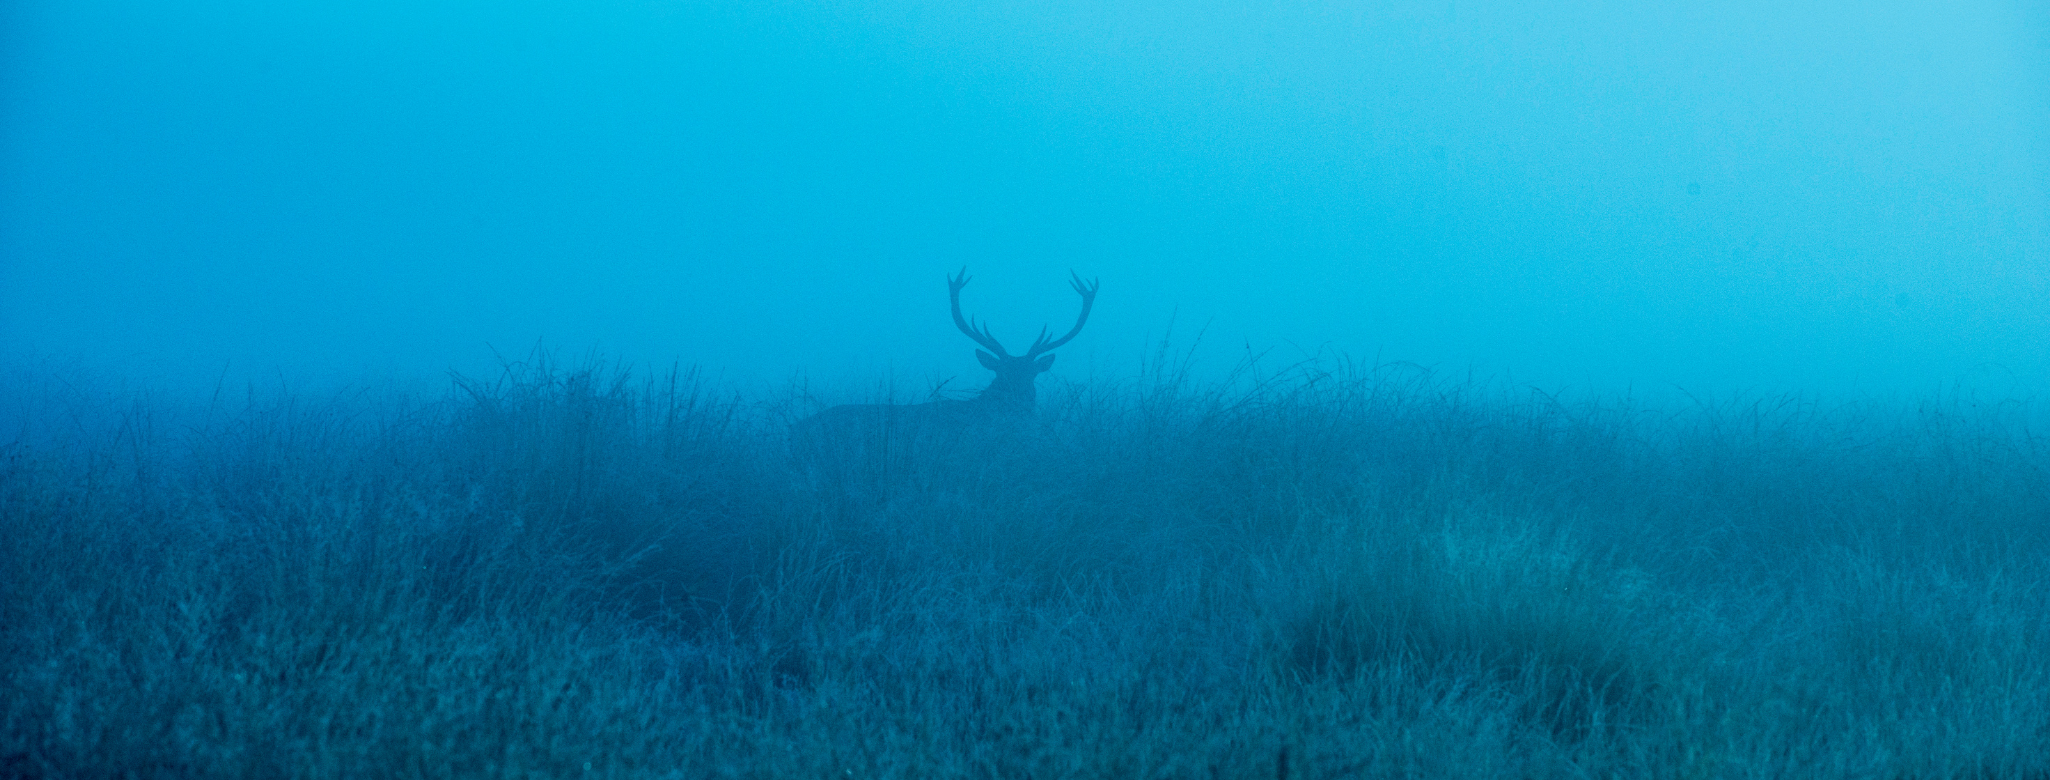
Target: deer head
[{"x": 1011, "y": 391}]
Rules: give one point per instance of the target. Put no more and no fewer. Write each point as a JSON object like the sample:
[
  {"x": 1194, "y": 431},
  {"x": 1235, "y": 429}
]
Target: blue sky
[{"x": 1841, "y": 197}]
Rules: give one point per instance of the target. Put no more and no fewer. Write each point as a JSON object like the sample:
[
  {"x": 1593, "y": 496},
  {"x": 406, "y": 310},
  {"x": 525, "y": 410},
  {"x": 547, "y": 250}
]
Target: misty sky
[{"x": 1828, "y": 196}]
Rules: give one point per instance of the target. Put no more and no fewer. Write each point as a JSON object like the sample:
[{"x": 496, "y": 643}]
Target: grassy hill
[{"x": 1331, "y": 572}]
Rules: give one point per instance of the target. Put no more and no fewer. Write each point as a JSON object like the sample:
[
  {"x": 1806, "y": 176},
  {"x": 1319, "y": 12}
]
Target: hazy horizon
[{"x": 1838, "y": 198}]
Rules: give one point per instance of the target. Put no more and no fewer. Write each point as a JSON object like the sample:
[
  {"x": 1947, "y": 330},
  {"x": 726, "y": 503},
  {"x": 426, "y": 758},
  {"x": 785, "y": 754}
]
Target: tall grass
[{"x": 1329, "y": 571}]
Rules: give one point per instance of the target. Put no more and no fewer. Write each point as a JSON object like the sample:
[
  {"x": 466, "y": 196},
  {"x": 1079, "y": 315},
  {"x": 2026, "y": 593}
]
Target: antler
[
  {"x": 1039, "y": 346},
  {"x": 1088, "y": 293},
  {"x": 981, "y": 333}
]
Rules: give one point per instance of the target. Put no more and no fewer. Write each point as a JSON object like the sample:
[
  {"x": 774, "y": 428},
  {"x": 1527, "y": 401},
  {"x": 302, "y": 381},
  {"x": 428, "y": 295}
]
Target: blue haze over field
[{"x": 1835, "y": 197}]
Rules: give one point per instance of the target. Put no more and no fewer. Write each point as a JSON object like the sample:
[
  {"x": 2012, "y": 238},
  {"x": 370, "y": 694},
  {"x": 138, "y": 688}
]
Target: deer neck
[{"x": 1008, "y": 395}]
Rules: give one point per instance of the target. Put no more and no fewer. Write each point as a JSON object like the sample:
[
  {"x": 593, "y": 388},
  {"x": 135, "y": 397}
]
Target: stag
[{"x": 1009, "y": 397}]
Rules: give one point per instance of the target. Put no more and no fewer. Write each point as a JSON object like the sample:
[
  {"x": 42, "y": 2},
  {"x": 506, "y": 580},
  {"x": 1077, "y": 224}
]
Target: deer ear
[
  {"x": 1043, "y": 364},
  {"x": 989, "y": 361}
]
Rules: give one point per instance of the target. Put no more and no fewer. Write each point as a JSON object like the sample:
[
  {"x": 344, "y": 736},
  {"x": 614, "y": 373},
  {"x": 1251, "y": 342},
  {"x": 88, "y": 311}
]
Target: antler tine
[
  {"x": 1088, "y": 292},
  {"x": 981, "y": 333},
  {"x": 1038, "y": 344}
]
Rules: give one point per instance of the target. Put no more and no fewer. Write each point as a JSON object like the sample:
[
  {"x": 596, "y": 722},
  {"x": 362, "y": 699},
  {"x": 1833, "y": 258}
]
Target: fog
[{"x": 1826, "y": 198}]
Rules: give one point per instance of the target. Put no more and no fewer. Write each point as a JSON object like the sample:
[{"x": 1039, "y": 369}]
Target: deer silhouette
[{"x": 1010, "y": 396}]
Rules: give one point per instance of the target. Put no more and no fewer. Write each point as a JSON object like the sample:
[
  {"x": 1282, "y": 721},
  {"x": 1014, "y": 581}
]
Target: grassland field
[{"x": 1326, "y": 571}]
